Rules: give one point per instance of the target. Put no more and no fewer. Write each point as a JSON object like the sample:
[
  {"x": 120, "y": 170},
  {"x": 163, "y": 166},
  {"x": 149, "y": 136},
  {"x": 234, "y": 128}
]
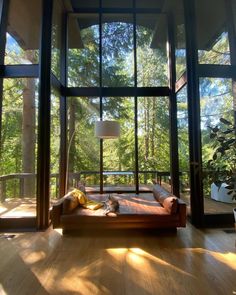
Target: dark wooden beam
[
  {"x": 43, "y": 166},
  {"x": 181, "y": 82},
  {"x": 219, "y": 220},
  {"x": 116, "y": 10},
  {"x": 25, "y": 223},
  {"x": 100, "y": 95},
  {"x": 230, "y": 22},
  {"x": 117, "y": 91},
  {"x": 56, "y": 84},
  {"x": 136, "y": 168},
  {"x": 217, "y": 71},
  {"x": 197, "y": 209},
  {"x": 19, "y": 71},
  {"x": 174, "y": 156},
  {"x": 63, "y": 110},
  {"x": 4, "y": 4}
]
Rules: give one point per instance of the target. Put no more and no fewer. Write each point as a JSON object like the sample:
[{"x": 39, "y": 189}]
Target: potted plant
[{"x": 223, "y": 163}]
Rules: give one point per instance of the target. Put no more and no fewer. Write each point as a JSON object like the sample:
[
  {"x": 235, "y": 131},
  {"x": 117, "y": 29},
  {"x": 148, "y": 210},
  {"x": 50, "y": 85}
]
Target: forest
[{"x": 18, "y": 145}]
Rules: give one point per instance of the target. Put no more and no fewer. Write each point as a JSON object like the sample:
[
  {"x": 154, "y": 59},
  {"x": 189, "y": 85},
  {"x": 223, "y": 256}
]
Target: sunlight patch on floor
[
  {"x": 2, "y": 292},
  {"x": 35, "y": 257},
  {"x": 228, "y": 259},
  {"x": 59, "y": 231},
  {"x": 139, "y": 256}
]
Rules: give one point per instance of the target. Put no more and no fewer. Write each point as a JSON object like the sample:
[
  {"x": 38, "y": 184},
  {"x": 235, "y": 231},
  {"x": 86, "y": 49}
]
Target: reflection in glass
[
  {"x": 180, "y": 51},
  {"x": 83, "y": 50},
  {"x": 118, "y": 154},
  {"x": 117, "y": 50},
  {"x": 151, "y": 50},
  {"x": 18, "y": 148},
  {"x": 23, "y": 32},
  {"x": 212, "y": 35},
  {"x": 153, "y": 137},
  {"x": 216, "y": 102}
]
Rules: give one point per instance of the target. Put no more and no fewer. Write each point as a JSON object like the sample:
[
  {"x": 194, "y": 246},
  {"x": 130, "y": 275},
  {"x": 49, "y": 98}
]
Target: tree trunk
[
  {"x": 234, "y": 100},
  {"x": 153, "y": 127},
  {"x": 71, "y": 146},
  {"x": 28, "y": 137},
  {"x": 146, "y": 128}
]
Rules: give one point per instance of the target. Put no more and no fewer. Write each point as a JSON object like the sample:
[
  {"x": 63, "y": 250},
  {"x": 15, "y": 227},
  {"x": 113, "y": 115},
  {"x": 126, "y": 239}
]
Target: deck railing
[{"x": 13, "y": 185}]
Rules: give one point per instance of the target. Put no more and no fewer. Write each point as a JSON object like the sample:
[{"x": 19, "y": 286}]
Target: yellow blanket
[{"x": 84, "y": 201}]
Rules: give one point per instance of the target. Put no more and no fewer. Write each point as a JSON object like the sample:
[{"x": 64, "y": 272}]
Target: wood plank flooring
[{"x": 190, "y": 261}]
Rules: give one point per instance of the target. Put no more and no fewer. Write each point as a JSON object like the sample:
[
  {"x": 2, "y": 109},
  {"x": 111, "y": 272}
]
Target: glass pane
[
  {"x": 216, "y": 102},
  {"x": 83, "y": 50},
  {"x": 83, "y": 146},
  {"x": 183, "y": 144},
  {"x": 154, "y": 140},
  {"x": 212, "y": 35},
  {"x": 56, "y": 37},
  {"x": 23, "y": 32},
  {"x": 151, "y": 50},
  {"x": 118, "y": 154},
  {"x": 18, "y": 148},
  {"x": 117, "y": 50},
  {"x": 54, "y": 144},
  {"x": 180, "y": 50}
]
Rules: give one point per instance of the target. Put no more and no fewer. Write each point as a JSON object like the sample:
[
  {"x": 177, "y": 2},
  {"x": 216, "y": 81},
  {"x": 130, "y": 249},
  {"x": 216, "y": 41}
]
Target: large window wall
[
  {"x": 19, "y": 147},
  {"x": 216, "y": 102},
  {"x": 19, "y": 109},
  {"x": 116, "y": 57},
  {"x": 25, "y": 85},
  {"x": 210, "y": 74}
]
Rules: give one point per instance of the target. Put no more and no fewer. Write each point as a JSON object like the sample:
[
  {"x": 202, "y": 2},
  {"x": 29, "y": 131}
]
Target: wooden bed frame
[{"x": 135, "y": 211}]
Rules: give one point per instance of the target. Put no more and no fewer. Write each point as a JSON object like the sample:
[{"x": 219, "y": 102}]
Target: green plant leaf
[
  {"x": 228, "y": 131},
  {"x": 232, "y": 140},
  {"x": 215, "y": 129},
  {"x": 224, "y": 121},
  {"x": 212, "y": 135},
  {"x": 229, "y": 187},
  {"x": 221, "y": 138}
]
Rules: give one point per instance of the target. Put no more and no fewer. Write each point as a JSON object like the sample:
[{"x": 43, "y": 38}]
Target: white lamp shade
[{"x": 107, "y": 129}]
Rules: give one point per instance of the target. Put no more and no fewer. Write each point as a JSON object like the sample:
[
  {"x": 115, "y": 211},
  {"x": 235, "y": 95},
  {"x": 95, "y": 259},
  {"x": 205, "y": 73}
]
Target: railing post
[
  {"x": 57, "y": 185},
  {"x": 2, "y": 190},
  {"x": 22, "y": 192}
]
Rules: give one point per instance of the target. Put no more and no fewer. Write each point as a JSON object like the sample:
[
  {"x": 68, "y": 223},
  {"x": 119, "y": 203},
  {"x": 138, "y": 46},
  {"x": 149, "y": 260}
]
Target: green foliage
[{"x": 223, "y": 162}]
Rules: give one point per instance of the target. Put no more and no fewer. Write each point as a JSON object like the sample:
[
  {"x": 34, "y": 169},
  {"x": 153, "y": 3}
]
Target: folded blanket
[
  {"x": 84, "y": 201},
  {"x": 92, "y": 205}
]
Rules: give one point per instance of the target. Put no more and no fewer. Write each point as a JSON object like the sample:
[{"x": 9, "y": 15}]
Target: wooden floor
[{"x": 190, "y": 261}]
